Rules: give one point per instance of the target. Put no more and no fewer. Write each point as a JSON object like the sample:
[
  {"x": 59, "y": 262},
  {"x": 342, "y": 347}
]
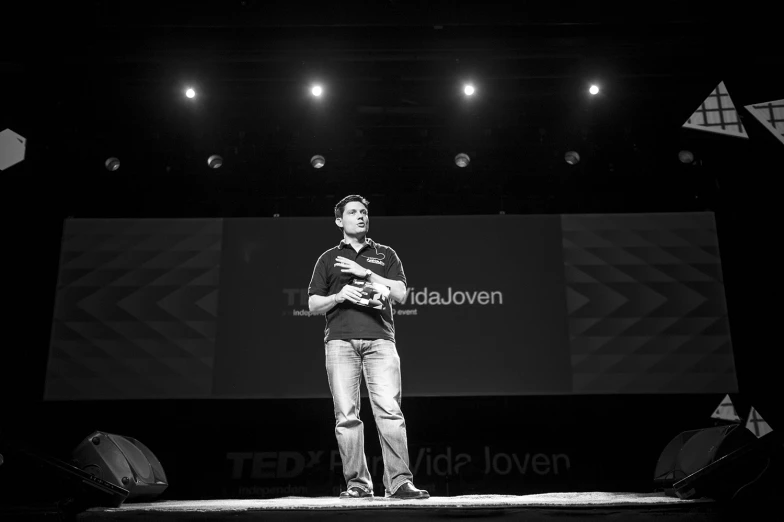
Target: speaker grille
[{"x": 139, "y": 464}]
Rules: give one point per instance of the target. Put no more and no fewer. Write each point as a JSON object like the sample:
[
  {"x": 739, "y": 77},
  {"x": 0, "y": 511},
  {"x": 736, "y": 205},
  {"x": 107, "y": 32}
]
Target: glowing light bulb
[
  {"x": 686, "y": 156},
  {"x": 317, "y": 161},
  {"x": 190, "y": 93},
  {"x": 112, "y": 164},
  {"x": 468, "y": 89},
  {"x": 462, "y": 160},
  {"x": 214, "y": 161},
  {"x": 316, "y": 90},
  {"x": 594, "y": 89}
]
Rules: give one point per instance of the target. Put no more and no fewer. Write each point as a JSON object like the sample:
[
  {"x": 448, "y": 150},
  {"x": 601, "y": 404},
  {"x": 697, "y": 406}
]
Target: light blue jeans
[{"x": 378, "y": 361}]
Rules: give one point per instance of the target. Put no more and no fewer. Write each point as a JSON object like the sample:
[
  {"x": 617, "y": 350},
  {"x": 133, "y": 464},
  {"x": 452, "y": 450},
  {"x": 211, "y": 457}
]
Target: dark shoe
[
  {"x": 355, "y": 492},
  {"x": 407, "y": 491}
]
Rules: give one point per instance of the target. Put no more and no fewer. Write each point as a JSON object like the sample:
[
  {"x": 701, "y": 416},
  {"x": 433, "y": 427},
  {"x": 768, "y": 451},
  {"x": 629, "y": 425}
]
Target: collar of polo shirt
[{"x": 368, "y": 241}]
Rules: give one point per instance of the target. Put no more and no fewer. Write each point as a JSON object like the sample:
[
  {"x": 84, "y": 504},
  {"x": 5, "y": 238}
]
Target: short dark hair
[{"x": 341, "y": 206}]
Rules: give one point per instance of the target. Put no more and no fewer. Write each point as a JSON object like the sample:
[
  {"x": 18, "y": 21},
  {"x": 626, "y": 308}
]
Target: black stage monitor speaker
[
  {"x": 123, "y": 461},
  {"x": 692, "y": 450},
  {"x": 33, "y": 478},
  {"x": 749, "y": 474}
]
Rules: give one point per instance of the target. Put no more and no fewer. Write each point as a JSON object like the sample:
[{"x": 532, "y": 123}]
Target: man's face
[{"x": 355, "y": 219}]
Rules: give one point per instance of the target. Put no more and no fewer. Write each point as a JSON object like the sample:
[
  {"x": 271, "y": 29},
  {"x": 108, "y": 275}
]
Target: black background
[{"x": 74, "y": 78}]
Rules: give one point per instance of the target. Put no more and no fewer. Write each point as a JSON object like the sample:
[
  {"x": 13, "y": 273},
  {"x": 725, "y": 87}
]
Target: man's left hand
[{"x": 350, "y": 267}]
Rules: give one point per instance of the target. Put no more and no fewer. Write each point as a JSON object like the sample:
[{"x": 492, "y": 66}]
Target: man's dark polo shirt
[{"x": 347, "y": 320}]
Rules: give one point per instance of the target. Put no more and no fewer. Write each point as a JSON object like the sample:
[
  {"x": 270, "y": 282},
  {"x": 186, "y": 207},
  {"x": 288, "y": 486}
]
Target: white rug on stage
[{"x": 551, "y": 500}]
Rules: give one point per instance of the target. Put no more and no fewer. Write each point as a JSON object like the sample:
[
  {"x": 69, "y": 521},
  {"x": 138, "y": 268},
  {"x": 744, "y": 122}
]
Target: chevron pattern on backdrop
[
  {"x": 136, "y": 311},
  {"x": 646, "y": 304}
]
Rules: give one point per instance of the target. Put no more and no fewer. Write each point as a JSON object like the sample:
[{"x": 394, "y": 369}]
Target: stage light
[
  {"x": 112, "y": 164},
  {"x": 594, "y": 89},
  {"x": 468, "y": 89},
  {"x": 317, "y": 161},
  {"x": 214, "y": 161},
  {"x": 316, "y": 90},
  {"x": 686, "y": 157},
  {"x": 190, "y": 93},
  {"x": 572, "y": 157},
  {"x": 462, "y": 160}
]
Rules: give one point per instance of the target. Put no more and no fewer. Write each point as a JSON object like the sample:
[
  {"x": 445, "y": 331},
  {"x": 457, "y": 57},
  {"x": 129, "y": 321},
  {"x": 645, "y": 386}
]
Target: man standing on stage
[{"x": 355, "y": 283}]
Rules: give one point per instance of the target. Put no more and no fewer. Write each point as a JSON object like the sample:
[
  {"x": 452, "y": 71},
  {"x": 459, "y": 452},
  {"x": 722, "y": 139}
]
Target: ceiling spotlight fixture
[
  {"x": 572, "y": 157},
  {"x": 112, "y": 164},
  {"x": 594, "y": 89},
  {"x": 316, "y": 90},
  {"x": 468, "y": 89},
  {"x": 462, "y": 160},
  {"x": 686, "y": 156},
  {"x": 317, "y": 161},
  {"x": 190, "y": 93},
  {"x": 214, "y": 161}
]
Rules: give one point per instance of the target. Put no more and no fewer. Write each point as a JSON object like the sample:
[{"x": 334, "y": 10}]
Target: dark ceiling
[{"x": 100, "y": 79}]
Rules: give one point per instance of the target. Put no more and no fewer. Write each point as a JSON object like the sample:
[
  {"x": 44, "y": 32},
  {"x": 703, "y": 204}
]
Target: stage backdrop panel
[
  {"x": 497, "y": 305},
  {"x": 647, "y": 311},
  {"x": 136, "y": 309},
  {"x": 485, "y": 312}
]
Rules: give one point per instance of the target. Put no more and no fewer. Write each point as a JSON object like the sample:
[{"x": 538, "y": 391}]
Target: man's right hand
[{"x": 350, "y": 293}]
